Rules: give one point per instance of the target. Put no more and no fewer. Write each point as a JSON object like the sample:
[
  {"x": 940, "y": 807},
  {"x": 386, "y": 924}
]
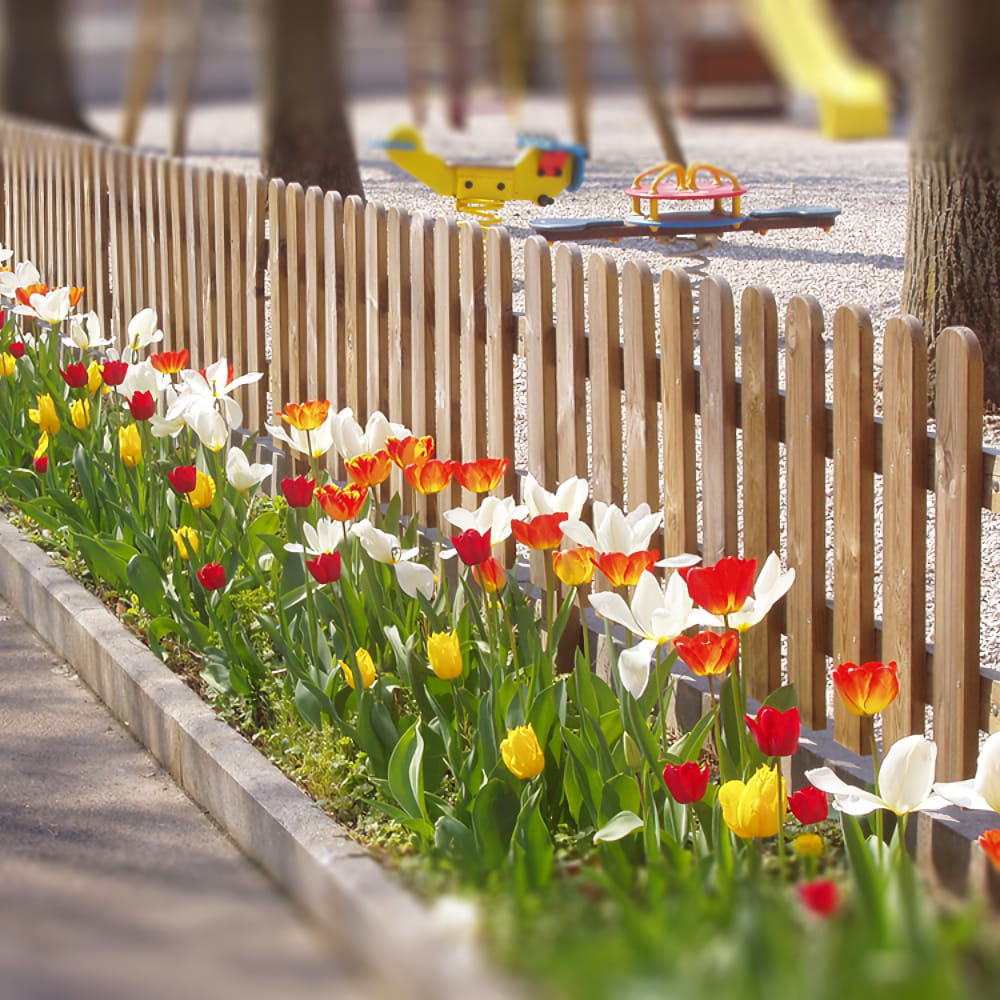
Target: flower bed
[{"x": 513, "y": 767}]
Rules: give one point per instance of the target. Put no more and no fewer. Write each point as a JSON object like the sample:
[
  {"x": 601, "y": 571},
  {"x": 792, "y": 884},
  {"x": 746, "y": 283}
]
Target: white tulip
[
  {"x": 243, "y": 475},
  {"x": 983, "y": 791},
  {"x": 141, "y": 332},
  {"x": 325, "y": 537},
  {"x": 85, "y": 332},
  {"x": 655, "y": 614},
  {"x": 380, "y": 545},
  {"x": 614, "y": 530},
  {"x": 905, "y": 783},
  {"x": 415, "y": 578},
  {"x": 25, "y": 273},
  {"x": 568, "y": 498},
  {"x": 313, "y": 443},
  {"x": 493, "y": 514}
]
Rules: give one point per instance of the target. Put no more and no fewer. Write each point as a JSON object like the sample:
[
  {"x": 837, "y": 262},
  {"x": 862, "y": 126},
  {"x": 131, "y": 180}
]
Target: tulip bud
[
  {"x": 212, "y": 576},
  {"x": 633, "y": 755},
  {"x": 366, "y": 667}
]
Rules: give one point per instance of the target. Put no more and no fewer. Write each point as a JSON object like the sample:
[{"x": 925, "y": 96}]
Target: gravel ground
[{"x": 783, "y": 163}]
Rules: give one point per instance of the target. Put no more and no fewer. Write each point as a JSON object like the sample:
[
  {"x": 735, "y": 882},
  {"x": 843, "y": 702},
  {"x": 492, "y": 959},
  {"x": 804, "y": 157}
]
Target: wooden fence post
[
  {"x": 806, "y": 448},
  {"x": 571, "y": 363},
  {"x": 374, "y": 360},
  {"x": 256, "y": 271},
  {"x": 315, "y": 266},
  {"x": 355, "y": 328},
  {"x": 717, "y": 328},
  {"x": 677, "y": 385},
  {"x": 606, "y": 384},
  {"x": 761, "y": 474},
  {"x": 447, "y": 343},
  {"x": 854, "y": 510},
  {"x": 958, "y": 471},
  {"x": 641, "y": 376},
  {"x": 277, "y": 265},
  {"x": 472, "y": 293},
  {"x": 540, "y": 358},
  {"x": 904, "y": 523},
  {"x": 422, "y": 350}
]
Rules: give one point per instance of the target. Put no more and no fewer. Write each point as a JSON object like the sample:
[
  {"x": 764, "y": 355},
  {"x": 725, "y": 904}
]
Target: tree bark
[
  {"x": 35, "y": 78},
  {"x": 952, "y": 273},
  {"x": 307, "y": 135}
]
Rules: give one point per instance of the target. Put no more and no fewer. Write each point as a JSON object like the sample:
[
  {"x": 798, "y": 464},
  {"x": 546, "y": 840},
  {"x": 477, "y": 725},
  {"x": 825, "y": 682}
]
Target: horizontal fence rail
[{"x": 375, "y": 308}]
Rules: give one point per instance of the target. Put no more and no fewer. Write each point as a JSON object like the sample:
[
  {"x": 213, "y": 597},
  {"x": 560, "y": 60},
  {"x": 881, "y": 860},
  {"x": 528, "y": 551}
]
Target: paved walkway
[{"x": 113, "y": 884}]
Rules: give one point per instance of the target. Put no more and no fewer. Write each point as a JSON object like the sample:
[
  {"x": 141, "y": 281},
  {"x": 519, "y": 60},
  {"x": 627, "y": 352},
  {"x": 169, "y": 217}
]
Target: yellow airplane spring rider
[{"x": 544, "y": 170}]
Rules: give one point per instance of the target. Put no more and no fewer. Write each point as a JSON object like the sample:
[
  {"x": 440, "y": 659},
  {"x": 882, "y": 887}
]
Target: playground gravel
[{"x": 782, "y": 162}]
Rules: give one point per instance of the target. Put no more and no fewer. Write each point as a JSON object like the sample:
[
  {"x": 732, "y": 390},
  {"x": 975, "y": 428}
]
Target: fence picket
[
  {"x": 641, "y": 378},
  {"x": 376, "y": 312},
  {"x": 293, "y": 379},
  {"x": 315, "y": 290},
  {"x": 221, "y": 318},
  {"x": 718, "y": 420},
  {"x": 422, "y": 348},
  {"x": 398, "y": 359},
  {"x": 278, "y": 274},
  {"x": 853, "y": 528},
  {"x": 447, "y": 348},
  {"x": 761, "y": 646},
  {"x": 540, "y": 358},
  {"x": 236, "y": 330},
  {"x": 806, "y": 446},
  {"x": 606, "y": 383},
  {"x": 958, "y": 473},
  {"x": 677, "y": 388},
  {"x": 355, "y": 328},
  {"x": 571, "y": 363},
  {"x": 256, "y": 272},
  {"x": 333, "y": 298},
  {"x": 501, "y": 346},
  {"x": 473, "y": 347},
  {"x": 904, "y": 542}
]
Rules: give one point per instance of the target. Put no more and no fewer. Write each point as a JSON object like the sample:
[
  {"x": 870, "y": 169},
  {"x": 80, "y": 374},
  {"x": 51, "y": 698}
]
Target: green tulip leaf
[{"x": 619, "y": 826}]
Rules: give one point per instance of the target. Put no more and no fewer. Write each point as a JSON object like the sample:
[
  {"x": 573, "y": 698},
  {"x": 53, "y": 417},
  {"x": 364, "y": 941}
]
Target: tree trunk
[
  {"x": 952, "y": 274},
  {"x": 35, "y": 78},
  {"x": 307, "y": 136}
]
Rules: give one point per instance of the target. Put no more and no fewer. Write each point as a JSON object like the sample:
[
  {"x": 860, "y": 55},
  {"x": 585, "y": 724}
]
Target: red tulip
[
  {"x": 809, "y": 805},
  {"x": 723, "y": 588},
  {"x": 776, "y": 732},
  {"x": 325, "y": 568},
  {"x": 869, "y": 688},
  {"x": 298, "y": 491},
  {"x": 142, "y": 405},
  {"x": 114, "y": 372},
  {"x": 624, "y": 570},
  {"x": 41, "y": 464},
  {"x": 686, "y": 782},
  {"x": 16, "y": 348},
  {"x": 543, "y": 531},
  {"x": 820, "y": 896},
  {"x": 184, "y": 478},
  {"x": 212, "y": 576},
  {"x": 708, "y": 653},
  {"x": 482, "y": 475},
  {"x": 74, "y": 375},
  {"x": 472, "y": 547}
]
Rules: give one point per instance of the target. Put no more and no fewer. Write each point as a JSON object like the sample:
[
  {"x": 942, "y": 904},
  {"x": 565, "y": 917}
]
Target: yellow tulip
[
  {"x": 522, "y": 753},
  {"x": 8, "y": 364},
  {"x": 445, "y": 655},
  {"x": 752, "y": 809},
  {"x": 45, "y": 416},
  {"x": 808, "y": 845},
  {"x": 366, "y": 667},
  {"x": 186, "y": 539},
  {"x": 79, "y": 413},
  {"x": 130, "y": 445},
  {"x": 43, "y": 446},
  {"x": 203, "y": 493},
  {"x": 94, "y": 380}
]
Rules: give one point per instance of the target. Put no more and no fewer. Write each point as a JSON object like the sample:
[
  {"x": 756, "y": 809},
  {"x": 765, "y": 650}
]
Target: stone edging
[{"x": 272, "y": 821}]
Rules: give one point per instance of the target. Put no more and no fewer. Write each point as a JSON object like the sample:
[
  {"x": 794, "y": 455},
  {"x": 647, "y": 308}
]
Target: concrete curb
[{"x": 272, "y": 821}]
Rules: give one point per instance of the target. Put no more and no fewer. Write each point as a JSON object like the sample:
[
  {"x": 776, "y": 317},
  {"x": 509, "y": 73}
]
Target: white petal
[
  {"x": 988, "y": 772},
  {"x": 415, "y": 578},
  {"x": 907, "y": 773},
  {"x": 646, "y": 599},
  {"x": 577, "y": 531},
  {"x": 613, "y": 607},
  {"x": 848, "y": 798},
  {"x": 962, "y": 793},
  {"x": 633, "y": 667}
]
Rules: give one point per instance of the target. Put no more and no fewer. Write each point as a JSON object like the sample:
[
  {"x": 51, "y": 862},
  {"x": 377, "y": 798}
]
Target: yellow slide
[{"x": 808, "y": 51}]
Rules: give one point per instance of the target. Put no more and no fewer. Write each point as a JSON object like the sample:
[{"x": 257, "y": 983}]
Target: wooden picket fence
[{"x": 374, "y": 308}]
